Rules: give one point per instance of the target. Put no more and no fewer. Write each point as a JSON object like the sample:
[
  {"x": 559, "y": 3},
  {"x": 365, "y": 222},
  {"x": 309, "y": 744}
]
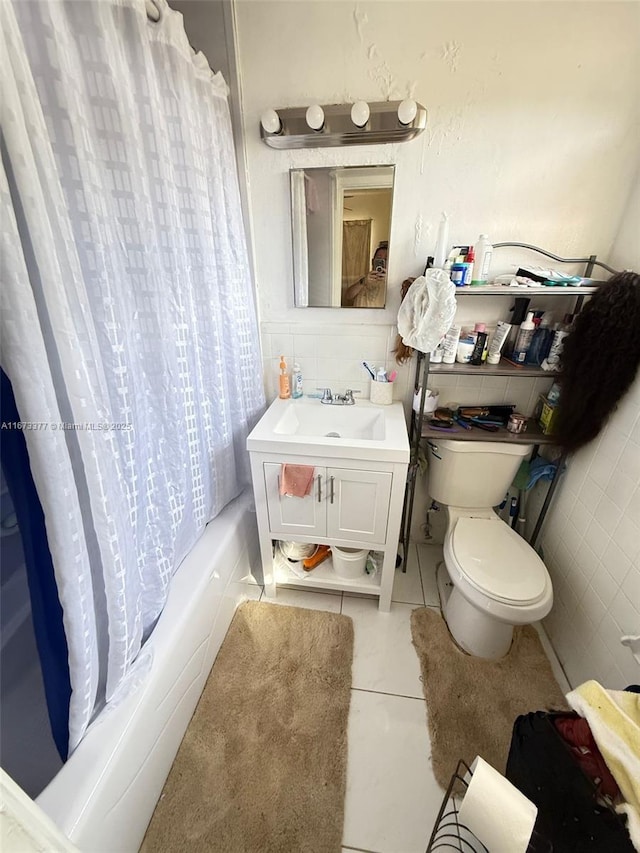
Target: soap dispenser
[
  {"x": 296, "y": 393},
  {"x": 285, "y": 388}
]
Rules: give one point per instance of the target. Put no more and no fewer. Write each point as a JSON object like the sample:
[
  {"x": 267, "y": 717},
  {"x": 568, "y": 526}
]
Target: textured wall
[{"x": 532, "y": 122}]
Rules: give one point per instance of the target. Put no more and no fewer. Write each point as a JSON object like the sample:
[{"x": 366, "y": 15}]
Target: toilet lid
[{"x": 497, "y": 561}]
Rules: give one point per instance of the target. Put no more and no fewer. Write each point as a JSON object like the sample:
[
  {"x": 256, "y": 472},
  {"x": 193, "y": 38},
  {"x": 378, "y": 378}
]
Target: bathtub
[{"x": 105, "y": 794}]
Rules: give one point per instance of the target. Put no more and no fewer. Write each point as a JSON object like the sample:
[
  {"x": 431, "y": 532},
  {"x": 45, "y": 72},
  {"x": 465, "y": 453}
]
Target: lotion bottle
[
  {"x": 285, "y": 388},
  {"x": 523, "y": 341}
]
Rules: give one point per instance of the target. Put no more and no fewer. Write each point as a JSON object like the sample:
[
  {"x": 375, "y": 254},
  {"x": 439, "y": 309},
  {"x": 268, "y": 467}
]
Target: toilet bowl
[{"x": 498, "y": 580}]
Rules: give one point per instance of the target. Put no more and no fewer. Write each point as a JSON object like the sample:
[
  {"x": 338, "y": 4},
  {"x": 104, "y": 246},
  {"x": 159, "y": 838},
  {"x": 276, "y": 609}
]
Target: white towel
[{"x": 614, "y": 720}]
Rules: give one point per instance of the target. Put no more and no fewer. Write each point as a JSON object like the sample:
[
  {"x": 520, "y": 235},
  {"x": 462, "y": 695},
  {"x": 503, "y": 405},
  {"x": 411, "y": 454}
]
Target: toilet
[{"x": 496, "y": 579}]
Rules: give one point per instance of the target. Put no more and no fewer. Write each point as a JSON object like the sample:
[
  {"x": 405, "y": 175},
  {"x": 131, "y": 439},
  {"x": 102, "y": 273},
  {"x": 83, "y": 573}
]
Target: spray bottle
[{"x": 519, "y": 311}]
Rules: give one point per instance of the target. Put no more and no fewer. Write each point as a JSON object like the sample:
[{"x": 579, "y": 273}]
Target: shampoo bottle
[
  {"x": 297, "y": 382},
  {"x": 523, "y": 341},
  {"x": 285, "y": 388}
]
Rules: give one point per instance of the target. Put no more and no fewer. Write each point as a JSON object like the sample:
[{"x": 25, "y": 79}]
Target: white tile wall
[
  {"x": 591, "y": 545},
  {"x": 331, "y": 356}
]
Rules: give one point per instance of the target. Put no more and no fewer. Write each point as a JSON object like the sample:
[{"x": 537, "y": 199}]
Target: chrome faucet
[{"x": 345, "y": 399}]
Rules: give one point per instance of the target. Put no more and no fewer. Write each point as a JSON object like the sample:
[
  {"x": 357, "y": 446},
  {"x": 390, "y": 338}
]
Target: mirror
[{"x": 341, "y": 221}]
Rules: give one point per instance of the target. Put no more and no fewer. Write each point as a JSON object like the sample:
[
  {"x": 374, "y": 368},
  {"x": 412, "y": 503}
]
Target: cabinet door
[
  {"x": 358, "y": 504},
  {"x": 305, "y": 516}
]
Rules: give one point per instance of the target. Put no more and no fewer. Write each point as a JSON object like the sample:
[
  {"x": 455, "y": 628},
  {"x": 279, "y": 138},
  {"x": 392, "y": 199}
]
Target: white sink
[
  {"x": 308, "y": 427},
  {"x": 331, "y": 421}
]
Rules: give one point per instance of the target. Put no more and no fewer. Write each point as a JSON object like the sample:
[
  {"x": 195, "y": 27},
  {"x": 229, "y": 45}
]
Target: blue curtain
[{"x": 45, "y": 604}]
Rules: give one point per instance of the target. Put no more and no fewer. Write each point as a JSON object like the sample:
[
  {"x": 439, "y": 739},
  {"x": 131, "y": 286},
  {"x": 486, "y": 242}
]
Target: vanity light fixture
[
  {"x": 270, "y": 122},
  {"x": 407, "y": 110},
  {"x": 360, "y": 113},
  {"x": 315, "y": 117},
  {"x": 320, "y": 126}
]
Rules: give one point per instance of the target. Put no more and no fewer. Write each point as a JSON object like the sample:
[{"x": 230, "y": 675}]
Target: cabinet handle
[
  {"x": 319, "y": 488},
  {"x": 331, "y": 480}
]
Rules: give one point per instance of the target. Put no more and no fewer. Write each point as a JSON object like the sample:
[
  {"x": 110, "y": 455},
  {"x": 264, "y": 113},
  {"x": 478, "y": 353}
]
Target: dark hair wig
[{"x": 599, "y": 360}]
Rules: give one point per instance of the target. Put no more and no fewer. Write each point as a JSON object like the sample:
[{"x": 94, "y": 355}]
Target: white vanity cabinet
[
  {"x": 360, "y": 456},
  {"x": 344, "y": 503},
  {"x": 349, "y": 505}
]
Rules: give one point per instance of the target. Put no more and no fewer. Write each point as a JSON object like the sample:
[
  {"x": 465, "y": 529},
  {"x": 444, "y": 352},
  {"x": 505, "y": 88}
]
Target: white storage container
[{"x": 349, "y": 562}]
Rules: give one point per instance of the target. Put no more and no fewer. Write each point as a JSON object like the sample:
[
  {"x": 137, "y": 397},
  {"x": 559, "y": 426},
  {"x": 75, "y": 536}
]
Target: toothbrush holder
[{"x": 381, "y": 393}]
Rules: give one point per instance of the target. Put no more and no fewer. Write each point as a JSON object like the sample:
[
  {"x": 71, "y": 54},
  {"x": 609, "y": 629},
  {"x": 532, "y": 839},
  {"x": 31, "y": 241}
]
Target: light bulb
[
  {"x": 360, "y": 113},
  {"x": 407, "y": 111},
  {"x": 315, "y": 117},
  {"x": 270, "y": 121}
]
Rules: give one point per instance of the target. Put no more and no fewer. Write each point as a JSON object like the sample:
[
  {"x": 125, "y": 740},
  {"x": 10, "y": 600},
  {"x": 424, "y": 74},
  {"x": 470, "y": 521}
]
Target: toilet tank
[{"x": 472, "y": 473}]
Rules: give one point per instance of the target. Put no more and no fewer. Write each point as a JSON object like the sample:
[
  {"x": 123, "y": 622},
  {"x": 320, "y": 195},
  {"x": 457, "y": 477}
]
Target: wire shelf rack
[{"x": 450, "y": 834}]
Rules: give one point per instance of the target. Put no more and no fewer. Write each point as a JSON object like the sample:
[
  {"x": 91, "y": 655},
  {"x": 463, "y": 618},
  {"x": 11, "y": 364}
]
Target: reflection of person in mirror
[{"x": 369, "y": 291}]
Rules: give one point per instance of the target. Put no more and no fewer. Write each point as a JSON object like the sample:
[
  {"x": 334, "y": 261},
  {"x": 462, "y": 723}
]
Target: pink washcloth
[{"x": 296, "y": 480}]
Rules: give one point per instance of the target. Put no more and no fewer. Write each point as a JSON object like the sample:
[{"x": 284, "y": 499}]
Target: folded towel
[
  {"x": 296, "y": 481},
  {"x": 614, "y": 720}
]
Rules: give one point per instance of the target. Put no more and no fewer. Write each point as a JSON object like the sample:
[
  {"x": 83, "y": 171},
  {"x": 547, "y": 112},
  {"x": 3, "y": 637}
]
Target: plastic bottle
[
  {"x": 297, "y": 382},
  {"x": 438, "y": 352},
  {"x": 523, "y": 341},
  {"x": 519, "y": 313},
  {"x": 285, "y": 388},
  {"x": 561, "y": 332},
  {"x": 497, "y": 342},
  {"x": 469, "y": 263},
  {"x": 456, "y": 274},
  {"x": 541, "y": 342},
  {"x": 483, "y": 251},
  {"x": 442, "y": 248},
  {"x": 450, "y": 345}
]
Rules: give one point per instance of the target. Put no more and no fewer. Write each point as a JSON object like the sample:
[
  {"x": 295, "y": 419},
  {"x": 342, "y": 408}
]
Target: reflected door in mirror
[{"x": 341, "y": 221}]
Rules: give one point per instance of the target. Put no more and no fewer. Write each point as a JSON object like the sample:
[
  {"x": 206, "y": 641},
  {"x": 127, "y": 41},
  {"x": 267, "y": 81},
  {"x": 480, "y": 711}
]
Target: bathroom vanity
[{"x": 360, "y": 455}]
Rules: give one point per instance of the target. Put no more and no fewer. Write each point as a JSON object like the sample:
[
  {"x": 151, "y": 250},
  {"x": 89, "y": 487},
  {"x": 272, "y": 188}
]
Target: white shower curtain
[{"x": 127, "y": 310}]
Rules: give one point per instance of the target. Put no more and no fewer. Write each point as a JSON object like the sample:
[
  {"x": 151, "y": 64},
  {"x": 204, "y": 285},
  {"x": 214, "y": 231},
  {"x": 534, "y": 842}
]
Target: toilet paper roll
[{"x": 497, "y": 813}]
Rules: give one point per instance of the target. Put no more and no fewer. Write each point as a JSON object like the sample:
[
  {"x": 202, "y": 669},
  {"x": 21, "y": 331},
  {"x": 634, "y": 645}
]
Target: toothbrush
[
  {"x": 392, "y": 376},
  {"x": 369, "y": 370},
  {"x": 462, "y": 422}
]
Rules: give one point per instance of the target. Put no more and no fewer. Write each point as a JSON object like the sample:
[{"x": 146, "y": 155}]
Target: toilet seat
[{"x": 498, "y": 562}]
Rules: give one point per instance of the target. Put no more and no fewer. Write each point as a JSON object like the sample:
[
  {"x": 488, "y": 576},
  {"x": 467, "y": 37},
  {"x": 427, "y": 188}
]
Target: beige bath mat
[
  {"x": 262, "y": 767},
  {"x": 472, "y": 703}
]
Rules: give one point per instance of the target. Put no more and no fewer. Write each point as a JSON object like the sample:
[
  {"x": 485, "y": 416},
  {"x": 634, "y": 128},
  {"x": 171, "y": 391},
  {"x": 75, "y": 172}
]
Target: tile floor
[{"x": 392, "y": 796}]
